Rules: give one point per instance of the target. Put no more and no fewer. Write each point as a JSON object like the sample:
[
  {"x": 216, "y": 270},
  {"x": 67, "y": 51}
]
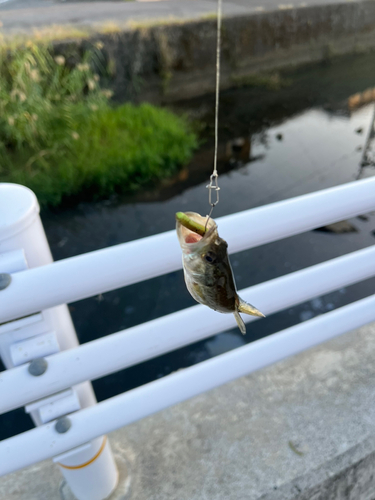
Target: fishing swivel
[{"x": 213, "y": 186}]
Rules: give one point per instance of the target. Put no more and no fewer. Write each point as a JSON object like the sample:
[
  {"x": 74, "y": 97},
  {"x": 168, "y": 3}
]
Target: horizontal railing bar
[
  {"x": 134, "y": 345},
  {"x": 97, "y": 272},
  {"x": 44, "y": 442}
]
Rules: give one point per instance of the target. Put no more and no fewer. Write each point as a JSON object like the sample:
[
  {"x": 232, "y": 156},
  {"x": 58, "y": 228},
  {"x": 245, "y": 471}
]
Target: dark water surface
[{"x": 299, "y": 139}]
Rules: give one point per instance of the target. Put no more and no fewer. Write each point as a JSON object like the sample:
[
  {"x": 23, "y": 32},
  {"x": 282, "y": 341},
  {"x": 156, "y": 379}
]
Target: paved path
[{"x": 24, "y": 15}]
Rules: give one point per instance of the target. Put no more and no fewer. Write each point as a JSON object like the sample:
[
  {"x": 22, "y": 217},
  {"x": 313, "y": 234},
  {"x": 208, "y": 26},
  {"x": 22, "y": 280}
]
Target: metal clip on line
[{"x": 213, "y": 185}]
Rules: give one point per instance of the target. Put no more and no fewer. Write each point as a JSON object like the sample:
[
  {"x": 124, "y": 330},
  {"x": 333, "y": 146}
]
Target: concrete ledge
[
  {"x": 347, "y": 476},
  {"x": 302, "y": 429}
]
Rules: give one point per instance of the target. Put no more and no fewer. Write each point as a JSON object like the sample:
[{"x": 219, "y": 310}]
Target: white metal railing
[
  {"x": 43, "y": 442},
  {"x": 134, "y": 345},
  {"x": 125, "y": 264},
  {"x": 142, "y": 259}
]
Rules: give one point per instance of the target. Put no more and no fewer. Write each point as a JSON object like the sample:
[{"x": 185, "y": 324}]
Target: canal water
[{"x": 310, "y": 133}]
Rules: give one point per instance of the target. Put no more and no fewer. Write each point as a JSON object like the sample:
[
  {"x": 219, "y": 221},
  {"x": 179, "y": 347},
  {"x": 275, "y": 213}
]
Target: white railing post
[{"x": 89, "y": 470}]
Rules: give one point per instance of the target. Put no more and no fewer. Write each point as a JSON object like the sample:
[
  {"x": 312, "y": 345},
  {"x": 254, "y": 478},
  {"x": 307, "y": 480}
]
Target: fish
[{"x": 207, "y": 270}]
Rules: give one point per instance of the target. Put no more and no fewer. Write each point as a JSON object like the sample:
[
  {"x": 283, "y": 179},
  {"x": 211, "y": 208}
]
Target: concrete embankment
[
  {"x": 167, "y": 52},
  {"x": 177, "y": 60}
]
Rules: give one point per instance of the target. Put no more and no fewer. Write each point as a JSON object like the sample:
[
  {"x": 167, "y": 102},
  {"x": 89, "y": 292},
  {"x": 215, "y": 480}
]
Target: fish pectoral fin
[
  {"x": 246, "y": 308},
  {"x": 240, "y": 322}
]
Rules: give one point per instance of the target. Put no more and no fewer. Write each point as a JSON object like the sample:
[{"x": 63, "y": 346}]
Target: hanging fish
[{"x": 207, "y": 270}]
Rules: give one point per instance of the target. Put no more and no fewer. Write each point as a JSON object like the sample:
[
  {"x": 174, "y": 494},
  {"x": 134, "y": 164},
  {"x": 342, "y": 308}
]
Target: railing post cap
[{"x": 18, "y": 208}]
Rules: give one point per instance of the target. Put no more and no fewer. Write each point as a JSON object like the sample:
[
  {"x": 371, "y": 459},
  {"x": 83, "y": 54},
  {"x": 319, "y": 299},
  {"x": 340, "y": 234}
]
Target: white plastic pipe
[
  {"x": 90, "y": 470},
  {"x": 134, "y": 345},
  {"x": 44, "y": 442},
  {"x": 103, "y": 270}
]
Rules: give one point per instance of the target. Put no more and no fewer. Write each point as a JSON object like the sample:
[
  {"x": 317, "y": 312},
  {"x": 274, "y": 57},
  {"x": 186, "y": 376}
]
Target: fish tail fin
[
  {"x": 246, "y": 308},
  {"x": 240, "y": 323}
]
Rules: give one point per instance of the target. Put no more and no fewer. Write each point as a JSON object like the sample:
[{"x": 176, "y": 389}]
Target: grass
[
  {"x": 118, "y": 150},
  {"x": 44, "y": 35},
  {"x": 60, "y": 136},
  {"x": 62, "y": 32}
]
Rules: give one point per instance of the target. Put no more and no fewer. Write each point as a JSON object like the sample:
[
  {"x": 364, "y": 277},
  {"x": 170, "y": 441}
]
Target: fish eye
[{"x": 210, "y": 257}]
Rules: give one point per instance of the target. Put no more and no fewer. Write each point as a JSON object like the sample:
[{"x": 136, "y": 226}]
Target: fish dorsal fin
[
  {"x": 246, "y": 308},
  {"x": 240, "y": 323}
]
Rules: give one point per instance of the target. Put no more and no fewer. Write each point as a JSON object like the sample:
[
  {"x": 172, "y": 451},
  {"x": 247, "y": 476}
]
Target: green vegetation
[
  {"x": 56, "y": 32},
  {"x": 60, "y": 137}
]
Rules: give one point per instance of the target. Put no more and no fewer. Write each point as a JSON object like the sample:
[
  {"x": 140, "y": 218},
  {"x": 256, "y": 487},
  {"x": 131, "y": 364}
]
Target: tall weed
[{"x": 60, "y": 136}]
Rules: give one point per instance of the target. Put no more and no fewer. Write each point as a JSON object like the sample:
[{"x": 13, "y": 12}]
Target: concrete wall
[{"x": 169, "y": 61}]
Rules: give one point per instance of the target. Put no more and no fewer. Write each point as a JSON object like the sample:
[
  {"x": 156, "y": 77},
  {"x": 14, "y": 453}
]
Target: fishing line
[
  {"x": 207, "y": 272},
  {"x": 213, "y": 185}
]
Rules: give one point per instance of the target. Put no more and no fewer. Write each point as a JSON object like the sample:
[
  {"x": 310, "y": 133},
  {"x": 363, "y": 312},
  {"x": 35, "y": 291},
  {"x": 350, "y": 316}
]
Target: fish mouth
[{"x": 189, "y": 240}]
